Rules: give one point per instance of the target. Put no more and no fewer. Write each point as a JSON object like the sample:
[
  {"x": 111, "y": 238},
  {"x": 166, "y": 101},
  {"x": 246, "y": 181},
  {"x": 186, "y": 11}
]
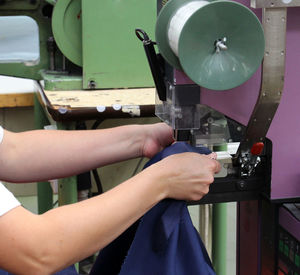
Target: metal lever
[{"x": 274, "y": 22}]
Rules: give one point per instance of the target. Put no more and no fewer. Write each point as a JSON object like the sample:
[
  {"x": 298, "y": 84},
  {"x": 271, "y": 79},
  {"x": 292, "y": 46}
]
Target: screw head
[
  {"x": 241, "y": 185},
  {"x": 92, "y": 84}
]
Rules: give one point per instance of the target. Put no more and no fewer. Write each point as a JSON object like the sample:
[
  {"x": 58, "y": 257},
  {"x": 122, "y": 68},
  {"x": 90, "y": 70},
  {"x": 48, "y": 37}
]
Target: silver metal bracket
[
  {"x": 274, "y": 3},
  {"x": 248, "y": 164},
  {"x": 273, "y": 69}
]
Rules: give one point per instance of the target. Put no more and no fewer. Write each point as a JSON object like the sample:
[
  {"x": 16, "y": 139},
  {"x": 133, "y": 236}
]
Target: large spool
[
  {"x": 66, "y": 27},
  {"x": 218, "y": 44}
]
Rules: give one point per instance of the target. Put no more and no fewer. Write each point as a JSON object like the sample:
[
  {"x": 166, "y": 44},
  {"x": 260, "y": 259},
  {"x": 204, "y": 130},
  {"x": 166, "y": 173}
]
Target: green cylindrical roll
[{"x": 218, "y": 44}]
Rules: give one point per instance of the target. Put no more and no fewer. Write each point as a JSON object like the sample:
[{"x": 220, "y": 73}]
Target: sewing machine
[{"x": 208, "y": 44}]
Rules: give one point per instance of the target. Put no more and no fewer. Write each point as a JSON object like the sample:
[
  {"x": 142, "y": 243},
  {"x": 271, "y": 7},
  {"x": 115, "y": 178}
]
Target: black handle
[{"x": 154, "y": 63}]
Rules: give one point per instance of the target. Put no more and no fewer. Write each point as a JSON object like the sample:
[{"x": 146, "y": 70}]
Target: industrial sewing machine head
[
  {"x": 213, "y": 91},
  {"x": 215, "y": 45},
  {"x": 211, "y": 88}
]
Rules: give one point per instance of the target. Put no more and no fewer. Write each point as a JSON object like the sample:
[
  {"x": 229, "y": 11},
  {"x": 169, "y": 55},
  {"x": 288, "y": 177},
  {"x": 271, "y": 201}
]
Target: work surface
[
  {"x": 73, "y": 105},
  {"x": 16, "y": 92}
]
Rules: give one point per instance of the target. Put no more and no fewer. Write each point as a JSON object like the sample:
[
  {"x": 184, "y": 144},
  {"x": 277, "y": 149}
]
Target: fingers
[
  {"x": 200, "y": 193},
  {"x": 191, "y": 174},
  {"x": 213, "y": 155},
  {"x": 216, "y": 166}
]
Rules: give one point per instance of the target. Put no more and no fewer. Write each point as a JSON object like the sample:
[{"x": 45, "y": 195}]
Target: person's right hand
[{"x": 185, "y": 176}]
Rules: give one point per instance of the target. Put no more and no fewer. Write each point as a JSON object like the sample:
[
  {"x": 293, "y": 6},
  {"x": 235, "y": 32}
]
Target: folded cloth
[{"x": 163, "y": 242}]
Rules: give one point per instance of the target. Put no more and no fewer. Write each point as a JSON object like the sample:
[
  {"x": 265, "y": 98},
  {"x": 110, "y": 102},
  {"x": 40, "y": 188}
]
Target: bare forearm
[
  {"x": 39, "y": 155},
  {"x": 65, "y": 235},
  {"x": 120, "y": 208}
]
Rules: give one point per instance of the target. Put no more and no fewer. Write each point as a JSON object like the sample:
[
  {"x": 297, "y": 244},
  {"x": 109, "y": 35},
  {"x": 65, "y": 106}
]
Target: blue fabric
[{"x": 164, "y": 242}]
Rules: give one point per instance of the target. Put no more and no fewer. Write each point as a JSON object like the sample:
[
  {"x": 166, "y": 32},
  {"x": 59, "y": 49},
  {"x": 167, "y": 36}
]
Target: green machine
[
  {"x": 74, "y": 45},
  {"x": 83, "y": 44}
]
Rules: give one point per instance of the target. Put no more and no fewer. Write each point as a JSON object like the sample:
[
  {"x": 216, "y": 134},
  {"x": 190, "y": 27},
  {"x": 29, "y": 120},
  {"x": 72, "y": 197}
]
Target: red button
[{"x": 257, "y": 148}]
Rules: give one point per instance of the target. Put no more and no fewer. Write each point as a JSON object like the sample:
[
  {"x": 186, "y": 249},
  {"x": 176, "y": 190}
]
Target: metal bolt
[
  {"x": 92, "y": 84},
  {"x": 62, "y": 110},
  {"x": 241, "y": 185},
  {"x": 220, "y": 45},
  {"x": 210, "y": 120}
]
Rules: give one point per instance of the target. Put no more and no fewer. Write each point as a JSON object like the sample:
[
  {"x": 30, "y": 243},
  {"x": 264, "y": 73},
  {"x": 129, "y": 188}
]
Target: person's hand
[
  {"x": 185, "y": 176},
  {"x": 157, "y": 137}
]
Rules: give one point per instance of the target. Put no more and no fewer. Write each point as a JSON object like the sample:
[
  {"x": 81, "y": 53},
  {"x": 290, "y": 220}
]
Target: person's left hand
[{"x": 157, "y": 137}]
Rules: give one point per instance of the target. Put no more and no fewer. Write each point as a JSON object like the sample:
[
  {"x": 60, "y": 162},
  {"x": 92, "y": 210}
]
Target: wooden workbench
[
  {"x": 93, "y": 104},
  {"x": 16, "y": 100}
]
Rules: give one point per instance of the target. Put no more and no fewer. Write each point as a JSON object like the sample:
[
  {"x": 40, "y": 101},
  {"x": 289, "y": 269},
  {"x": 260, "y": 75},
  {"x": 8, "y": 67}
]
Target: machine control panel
[{"x": 288, "y": 254}]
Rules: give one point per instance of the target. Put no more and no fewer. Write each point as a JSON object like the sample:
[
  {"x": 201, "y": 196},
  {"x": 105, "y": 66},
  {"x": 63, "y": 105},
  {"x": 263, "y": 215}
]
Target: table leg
[
  {"x": 44, "y": 190},
  {"x": 67, "y": 187}
]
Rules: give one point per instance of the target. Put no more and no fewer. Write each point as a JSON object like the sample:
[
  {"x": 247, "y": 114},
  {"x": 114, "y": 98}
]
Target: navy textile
[{"x": 165, "y": 242}]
